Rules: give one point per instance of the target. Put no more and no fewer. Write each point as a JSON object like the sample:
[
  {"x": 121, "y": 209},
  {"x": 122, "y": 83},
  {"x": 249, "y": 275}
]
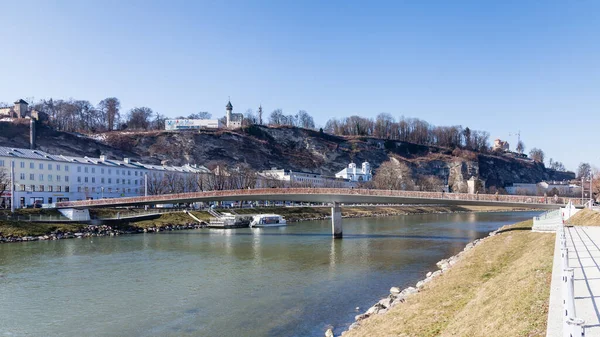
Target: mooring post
[{"x": 336, "y": 221}]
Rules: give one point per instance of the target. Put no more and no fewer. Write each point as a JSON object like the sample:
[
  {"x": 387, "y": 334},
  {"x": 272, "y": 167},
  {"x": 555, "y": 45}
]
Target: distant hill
[{"x": 262, "y": 147}]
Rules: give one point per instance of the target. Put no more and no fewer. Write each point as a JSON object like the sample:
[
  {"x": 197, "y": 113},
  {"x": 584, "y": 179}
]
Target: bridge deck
[{"x": 328, "y": 195}]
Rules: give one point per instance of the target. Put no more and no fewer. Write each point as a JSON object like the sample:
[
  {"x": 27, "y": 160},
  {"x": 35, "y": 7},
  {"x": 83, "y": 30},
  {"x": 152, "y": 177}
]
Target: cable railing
[
  {"x": 275, "y": 193},
  {"x": 572, "y": 326}
]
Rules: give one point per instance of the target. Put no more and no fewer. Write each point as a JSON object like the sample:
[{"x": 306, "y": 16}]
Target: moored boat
[{"x": 268, "y": 220}]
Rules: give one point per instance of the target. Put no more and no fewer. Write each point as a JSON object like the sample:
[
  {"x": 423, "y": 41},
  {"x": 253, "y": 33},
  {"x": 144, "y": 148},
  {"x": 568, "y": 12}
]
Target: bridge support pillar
[{"x": 336, "y": 221}]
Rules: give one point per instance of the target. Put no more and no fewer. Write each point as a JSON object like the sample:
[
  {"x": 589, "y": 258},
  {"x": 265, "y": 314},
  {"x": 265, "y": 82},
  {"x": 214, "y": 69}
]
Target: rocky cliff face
[{"x": 291, "y": 148}]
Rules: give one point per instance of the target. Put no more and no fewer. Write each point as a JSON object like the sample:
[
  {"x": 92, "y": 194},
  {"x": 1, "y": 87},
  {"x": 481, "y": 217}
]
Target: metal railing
[
  {"x": 553, "y": 214},
  {"x": 572, "y": 326},
  {"x": 35, "y": 218},
  {"x": 133, "y": 214},
  {"x": 274, "y": 193}
]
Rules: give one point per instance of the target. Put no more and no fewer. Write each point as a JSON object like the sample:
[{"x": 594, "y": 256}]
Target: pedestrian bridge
[
  {"x": 326, "y": 195},
  {"x": 335, "y": 196}
]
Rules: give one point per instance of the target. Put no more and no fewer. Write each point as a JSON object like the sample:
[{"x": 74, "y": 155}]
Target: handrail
[
  {"x": 233, "y": 194},
  {"x": 572, "y": 326}
]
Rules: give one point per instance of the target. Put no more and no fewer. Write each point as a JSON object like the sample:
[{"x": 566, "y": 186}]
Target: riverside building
[
  {"x": 40, "y": 178},
  {"x": 289, "y": 178},
  {"x": 353, "y": 173}
]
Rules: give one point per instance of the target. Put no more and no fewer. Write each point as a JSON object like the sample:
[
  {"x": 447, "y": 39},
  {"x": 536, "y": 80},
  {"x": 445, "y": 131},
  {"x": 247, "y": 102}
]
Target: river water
[{"x": 287, "y": 281}]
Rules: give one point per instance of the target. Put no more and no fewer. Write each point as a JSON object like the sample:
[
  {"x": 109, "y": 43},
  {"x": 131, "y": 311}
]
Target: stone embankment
[
  {"x": 398, "y": 296},
  {"x": 96, "y": 231}
]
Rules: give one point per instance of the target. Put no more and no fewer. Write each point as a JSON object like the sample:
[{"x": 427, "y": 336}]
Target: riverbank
[
  {"x": 294, "y": 214},
  {"x": 497, "y": 286},
  {"x": 16, "y": 231}
]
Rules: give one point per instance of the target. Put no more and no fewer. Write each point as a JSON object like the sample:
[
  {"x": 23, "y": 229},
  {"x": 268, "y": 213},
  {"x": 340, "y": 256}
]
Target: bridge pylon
[{"x": 336, "y": 221}]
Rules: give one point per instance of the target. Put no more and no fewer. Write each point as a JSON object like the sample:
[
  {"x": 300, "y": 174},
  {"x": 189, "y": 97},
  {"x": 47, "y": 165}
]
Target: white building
[
  {"x": 563, "y": 188},
  {"x": 289, "y": 178},
  {"x": 233, "y": 120},
  {"x": 44, "y": 178},
  {"x": 190, "y": 124},
  {"x": 355, "y": 174}
]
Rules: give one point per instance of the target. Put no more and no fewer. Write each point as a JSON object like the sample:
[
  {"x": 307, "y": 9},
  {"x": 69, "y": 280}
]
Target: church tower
[{"x": 229, "y": 109}]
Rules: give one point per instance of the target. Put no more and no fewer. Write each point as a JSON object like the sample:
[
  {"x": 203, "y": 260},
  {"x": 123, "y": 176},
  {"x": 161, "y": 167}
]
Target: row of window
[
  {"x": 85, "y": 169},
  {"x": 41, "y": 177},
  {"x": 41, "y": 188},
  {"x": 50, "y": 178},
  {"x": 51, "y": 188},
  {"x": 119, "y": 181}
]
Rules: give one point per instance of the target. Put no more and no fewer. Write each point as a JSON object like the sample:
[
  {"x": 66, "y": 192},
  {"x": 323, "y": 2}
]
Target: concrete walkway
[{"x": 584, "y": 257}]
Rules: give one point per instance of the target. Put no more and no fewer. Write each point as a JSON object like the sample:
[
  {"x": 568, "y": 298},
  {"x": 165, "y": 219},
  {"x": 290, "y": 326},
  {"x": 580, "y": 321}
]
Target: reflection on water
[{"x": 284, "y": 281}]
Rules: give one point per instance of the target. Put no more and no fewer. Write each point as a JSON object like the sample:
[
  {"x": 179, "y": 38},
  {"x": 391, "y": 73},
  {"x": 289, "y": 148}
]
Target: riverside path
[{"x": 583, "y": 247}]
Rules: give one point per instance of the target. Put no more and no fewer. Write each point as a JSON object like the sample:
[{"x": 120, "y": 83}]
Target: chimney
[
  {"x": 32, "y": 134},
  {"x": 102, "y": 158},
  {"x": 126, "y": 160}
]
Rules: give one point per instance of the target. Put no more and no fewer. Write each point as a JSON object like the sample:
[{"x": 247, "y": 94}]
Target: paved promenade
[{"x": 583, "y": 244}]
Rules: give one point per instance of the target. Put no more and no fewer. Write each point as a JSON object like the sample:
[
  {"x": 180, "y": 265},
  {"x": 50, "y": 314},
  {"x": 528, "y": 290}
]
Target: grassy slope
[
  {"x": 585, "y": 217},
  {"x": 500, "y": 288},
  {"x": 21, "y": 228}
]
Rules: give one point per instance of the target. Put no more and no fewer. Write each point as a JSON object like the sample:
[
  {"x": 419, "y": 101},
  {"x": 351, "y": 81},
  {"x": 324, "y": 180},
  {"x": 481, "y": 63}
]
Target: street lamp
[{"x": 102, "y": 189}]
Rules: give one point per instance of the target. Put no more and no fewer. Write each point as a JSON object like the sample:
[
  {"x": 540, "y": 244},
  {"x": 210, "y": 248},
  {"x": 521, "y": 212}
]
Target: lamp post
[
  {"x": 102, "y": 189},
  {"x": 591, "y": 195}
]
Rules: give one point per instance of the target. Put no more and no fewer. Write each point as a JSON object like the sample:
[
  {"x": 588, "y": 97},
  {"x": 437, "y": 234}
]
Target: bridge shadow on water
[{"x": 353, "y": 236}]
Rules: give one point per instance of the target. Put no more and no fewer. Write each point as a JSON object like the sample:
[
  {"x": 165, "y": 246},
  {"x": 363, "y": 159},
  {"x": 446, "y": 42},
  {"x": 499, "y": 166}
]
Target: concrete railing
[
  {"x": 572, "y": 326},
  {"x": 275, "y": 193}
]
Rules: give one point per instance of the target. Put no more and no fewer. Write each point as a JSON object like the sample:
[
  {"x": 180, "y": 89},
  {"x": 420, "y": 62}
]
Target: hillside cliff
[{"x": 298, "y": 149}]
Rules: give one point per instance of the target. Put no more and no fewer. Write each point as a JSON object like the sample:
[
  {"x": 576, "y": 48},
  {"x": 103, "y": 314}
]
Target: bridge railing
[
  {"x": 233, "y": 194},
  {"x": 132, "y": 214}
]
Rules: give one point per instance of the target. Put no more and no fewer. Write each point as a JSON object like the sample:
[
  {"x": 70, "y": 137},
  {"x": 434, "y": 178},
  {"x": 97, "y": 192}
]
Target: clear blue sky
[{"x": 500, "y": 66}]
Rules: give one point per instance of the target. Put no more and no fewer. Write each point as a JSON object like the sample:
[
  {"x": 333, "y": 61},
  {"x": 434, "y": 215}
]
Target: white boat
[{"x": 267, "y": 220}]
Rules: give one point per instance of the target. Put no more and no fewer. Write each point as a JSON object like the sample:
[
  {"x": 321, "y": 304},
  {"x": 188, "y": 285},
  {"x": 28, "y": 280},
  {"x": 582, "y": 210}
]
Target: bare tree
[
  {"x": 430, "y": 183},
  {"x": 110, "y": 107},
  {"x": 537, "y": 155},
  {"x": 584, "y": 170},
  {"x": 139, "y": 118},
  {"x": 156, "y": 184},
  {"x": 4, "y": 182},
  {"x": 520, "y": 147},
  {"x": 200, "y": 115},
  {"x": 394, "y": 175},
  {"x": 277, "y": 117},
  {"x": 305, "y": 120}
]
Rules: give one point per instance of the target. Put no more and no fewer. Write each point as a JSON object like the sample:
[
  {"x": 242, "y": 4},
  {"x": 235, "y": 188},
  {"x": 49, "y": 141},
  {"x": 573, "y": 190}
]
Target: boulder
[
  {"x": 429, "y": 274},
  {"x": 398, "y": 300},
  {"x": 360, "y": 317},
  {"x": 329, "y": 333},
  {"x": 394, "y": 291},
  {"x": 385, "y": 303},
  {"x": 409, "y": 291},
  {"x": 372, "y": 310}
]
